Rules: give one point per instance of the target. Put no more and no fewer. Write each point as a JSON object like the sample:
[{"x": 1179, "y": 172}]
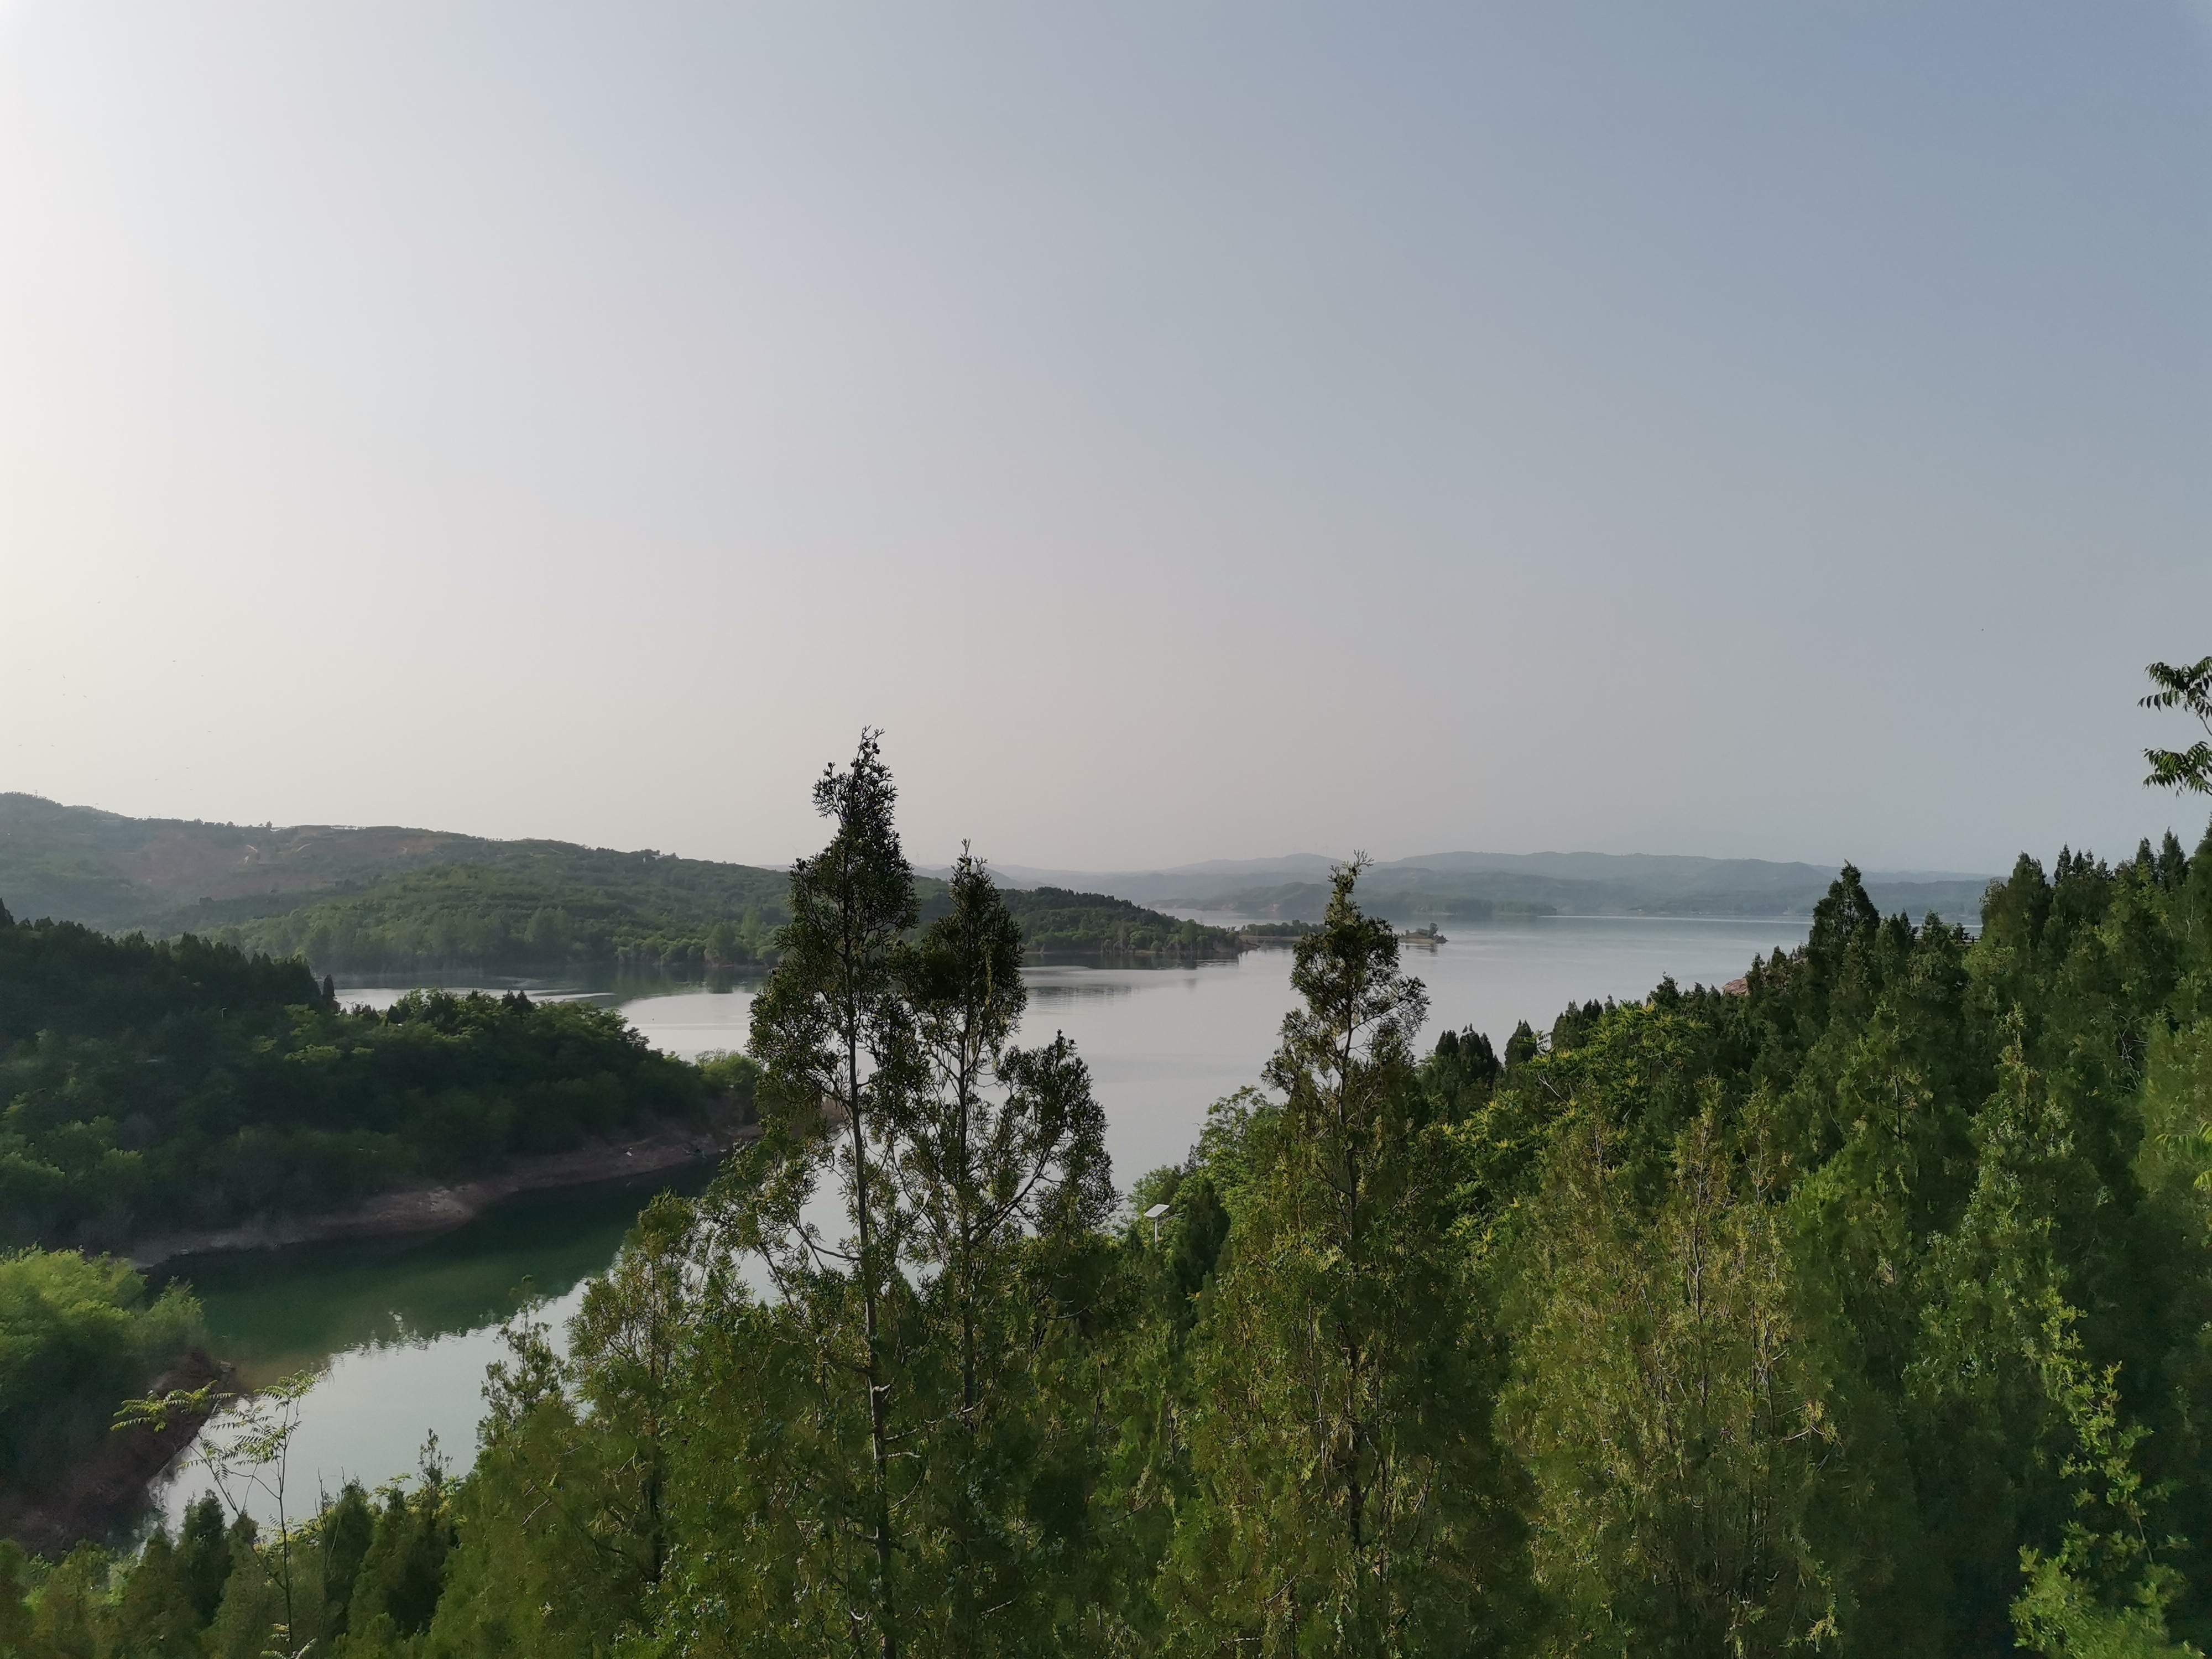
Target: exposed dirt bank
[
  {"x": 104, "y": 1489},
  {"x": 439, "y": 1209}
]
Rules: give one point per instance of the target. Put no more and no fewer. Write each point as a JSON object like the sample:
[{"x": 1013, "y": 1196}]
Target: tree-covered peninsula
[
  {"x": 1055, "y": 922},
  {"x": 147, "y": 1087}
]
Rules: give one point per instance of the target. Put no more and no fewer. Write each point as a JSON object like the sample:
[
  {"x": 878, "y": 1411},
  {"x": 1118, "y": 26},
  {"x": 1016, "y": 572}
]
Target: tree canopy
[{"x": 153, "y": 1086}]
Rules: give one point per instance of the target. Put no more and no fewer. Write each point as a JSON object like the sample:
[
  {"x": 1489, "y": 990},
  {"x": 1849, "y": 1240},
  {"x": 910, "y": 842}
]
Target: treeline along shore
[
  {"x": 1860, "y": 1308},
  {"x": 183, "y": 1087}
]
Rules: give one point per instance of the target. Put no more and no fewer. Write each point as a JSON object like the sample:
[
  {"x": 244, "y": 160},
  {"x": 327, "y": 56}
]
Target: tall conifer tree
[
  {"x": 1342, "y": 1443},
  {"x": 1004, "y": 1170},
  {"x": 832, "y": 1030}
]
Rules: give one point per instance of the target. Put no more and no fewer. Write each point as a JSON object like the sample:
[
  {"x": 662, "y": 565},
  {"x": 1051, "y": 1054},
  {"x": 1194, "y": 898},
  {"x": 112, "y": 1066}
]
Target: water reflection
[
  {"x": 1051, "y": 990},
  {"x": 404, "y": 1327},
  {"x": 271, "y": 1312}
]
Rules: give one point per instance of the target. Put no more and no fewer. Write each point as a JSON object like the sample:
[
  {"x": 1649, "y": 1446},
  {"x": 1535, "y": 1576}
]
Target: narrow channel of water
[
  {"x": 401, "y": 1330},
  {"x": 405, "y": 1329}
]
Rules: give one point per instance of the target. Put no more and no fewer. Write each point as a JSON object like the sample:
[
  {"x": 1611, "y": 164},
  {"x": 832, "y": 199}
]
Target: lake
[{"x": 404, "y": 1329}]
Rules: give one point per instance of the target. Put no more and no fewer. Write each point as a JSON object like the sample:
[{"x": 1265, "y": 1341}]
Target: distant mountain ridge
[{"x": 1471, "y": 885}]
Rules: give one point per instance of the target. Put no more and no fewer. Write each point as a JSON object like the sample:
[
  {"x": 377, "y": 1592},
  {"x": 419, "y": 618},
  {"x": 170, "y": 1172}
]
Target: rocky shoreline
[
  {"x": 435, "y": 1209},
  {"x": 106, "y": 1488}
]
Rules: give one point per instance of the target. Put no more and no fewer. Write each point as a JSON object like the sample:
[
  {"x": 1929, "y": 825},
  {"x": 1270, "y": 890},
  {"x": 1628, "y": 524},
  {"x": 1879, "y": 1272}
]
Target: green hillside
[
  {"x": 399, "y": 900},
  {"x": 544, "y": 920},
  {"x": 170, "y": 876},
  {"x": 153, "y": 1086}
]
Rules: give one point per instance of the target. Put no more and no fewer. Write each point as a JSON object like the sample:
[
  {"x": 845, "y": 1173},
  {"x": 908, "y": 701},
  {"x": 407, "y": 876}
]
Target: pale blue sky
[{"x": 1194, "y": 430}]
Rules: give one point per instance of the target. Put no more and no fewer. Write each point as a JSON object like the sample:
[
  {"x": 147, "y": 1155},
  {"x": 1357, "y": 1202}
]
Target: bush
[{"x": 77, "y": 1336}]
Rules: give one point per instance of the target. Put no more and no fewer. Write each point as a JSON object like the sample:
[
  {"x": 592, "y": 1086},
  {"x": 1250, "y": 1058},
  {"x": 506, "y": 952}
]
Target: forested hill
[
  {"x": 1055, "y": 921},
  {"x": 169, "y": 875},
  {"x": 150, "y": 1087},
  {"x": 397, "y": 901}
]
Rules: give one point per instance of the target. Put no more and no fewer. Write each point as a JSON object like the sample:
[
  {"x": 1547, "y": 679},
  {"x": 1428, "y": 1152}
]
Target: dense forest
[
  {"x": 1054, "y": 922},
  {"x": 480, "y": 918},
  {"x": 148, "y": 1086},
  {"x": 1864, "y": 1311},
  {"x": 468, "y": 917}
]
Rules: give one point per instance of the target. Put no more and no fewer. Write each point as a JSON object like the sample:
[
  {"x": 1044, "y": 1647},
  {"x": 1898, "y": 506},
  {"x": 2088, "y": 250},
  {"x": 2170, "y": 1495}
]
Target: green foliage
[
  {"x": 735, "y": 1079},
  {"x": 483, "y": 919},
  {"x": 835, "y": 1034},
  {"x": 559, "y": 916},
  {"x": 1676, "y": 1479},
  {"x": 1054, "y": 922},
  {"x": 401, "y": 1574},
  {"x": 357, "y": 1577},
  {"x": 153, "y": 1086},
  {"x": 66, "y": 1618},
  {"x": 16, "y": 1619},
  {"x": 2189, "y": 687},
  {"x": 1001, "y": 1164},
  {"x": 1347, "y": 1491},
  {"x": 77, "y": 1334},
  {"x": 1827, "y": 1302},
  {"x": 553, "y": 1541}
]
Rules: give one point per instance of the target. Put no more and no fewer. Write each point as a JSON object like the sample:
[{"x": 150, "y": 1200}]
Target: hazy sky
[{"x": 1192, "y": 429}]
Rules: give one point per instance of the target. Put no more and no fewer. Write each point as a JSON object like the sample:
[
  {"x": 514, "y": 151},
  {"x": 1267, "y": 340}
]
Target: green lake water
[{"x": 402, "y": 1329}]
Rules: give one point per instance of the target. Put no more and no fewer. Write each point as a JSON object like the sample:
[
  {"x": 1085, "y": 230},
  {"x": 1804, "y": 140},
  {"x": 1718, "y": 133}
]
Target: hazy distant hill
[
  {"x": 394, "y": 900},
  {"x": 1471, "y": 885}
]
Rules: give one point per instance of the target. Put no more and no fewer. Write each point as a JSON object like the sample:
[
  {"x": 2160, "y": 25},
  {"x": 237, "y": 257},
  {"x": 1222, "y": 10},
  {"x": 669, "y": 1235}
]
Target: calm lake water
[{"x": 404, "y": 1330}]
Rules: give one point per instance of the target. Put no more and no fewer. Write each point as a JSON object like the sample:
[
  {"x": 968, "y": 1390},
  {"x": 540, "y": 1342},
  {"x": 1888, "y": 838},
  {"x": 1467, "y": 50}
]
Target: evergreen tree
[
  {"x": 547, "y": 1557},
  {"x": 629, "y": 1338},
  {"x": 154, "y": 1615},
  {"x": 402, "y": 1571},
  {"x": 1003, "y": 1168},
  {"x": 1351, "y": 1500},
  {"x": 68, "y": 1619},
  {"x": 806, "y": 1397},
  {"x": 1665, "y": 1397},
  {"x": 203, "y": 1556},
  {"x": 833, "y": 1035}
]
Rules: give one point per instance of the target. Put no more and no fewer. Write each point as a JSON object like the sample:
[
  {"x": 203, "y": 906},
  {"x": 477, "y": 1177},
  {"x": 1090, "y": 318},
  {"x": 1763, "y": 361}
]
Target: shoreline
[
  {"x": 107, "y": 1485},
  {"x": 427, "y": 1211}
]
